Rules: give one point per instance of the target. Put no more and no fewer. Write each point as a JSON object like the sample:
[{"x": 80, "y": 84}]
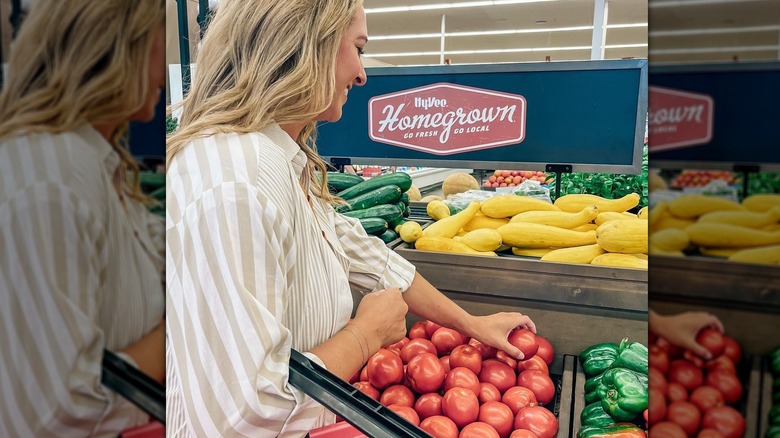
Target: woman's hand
[
  {"x": 681, "y": 329},
  {"x": 494, "y": 330},
  {"x": 382, "y": 316}
]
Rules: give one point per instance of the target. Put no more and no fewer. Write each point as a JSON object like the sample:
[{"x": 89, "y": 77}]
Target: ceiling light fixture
[
  {"x": 430, "y": 7},
  {"x": 491, "y": 51},
  {"x": 733, "y": 49},
  {"x": 679, "y": 3},
  {"x": 499, "y": 32},
  {"x": 711, "y": 31}
]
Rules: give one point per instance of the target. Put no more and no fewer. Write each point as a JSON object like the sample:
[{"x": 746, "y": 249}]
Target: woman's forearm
[
  {"x": 427, "y": 302},
  {"x": 347, "y": 351},
  {"x": 149, "y": 353}
]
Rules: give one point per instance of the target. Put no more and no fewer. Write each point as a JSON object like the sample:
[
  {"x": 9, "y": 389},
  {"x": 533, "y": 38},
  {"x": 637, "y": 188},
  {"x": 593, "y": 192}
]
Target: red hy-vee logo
[
  {"x": 678, "y": 119},
  {"x": 446, "y": 119}
]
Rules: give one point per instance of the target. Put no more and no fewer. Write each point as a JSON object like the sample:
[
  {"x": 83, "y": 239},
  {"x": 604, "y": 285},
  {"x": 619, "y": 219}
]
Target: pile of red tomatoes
[
  {"x": 690, "y": 397},
  {"x": 455, "y": 387}
]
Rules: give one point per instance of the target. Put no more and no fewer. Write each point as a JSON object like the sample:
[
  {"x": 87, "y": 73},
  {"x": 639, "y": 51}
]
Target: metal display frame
[{"x": 622, "y": 64}]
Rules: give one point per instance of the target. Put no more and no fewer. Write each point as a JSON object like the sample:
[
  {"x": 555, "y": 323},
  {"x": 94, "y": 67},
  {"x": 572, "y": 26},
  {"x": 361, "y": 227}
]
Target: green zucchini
[
  {"x": 390, "y": 213},
  {"x": 158, "y": 194},
  {"x": 398, "y": 179},
  {"x": 342, "y": 181},
  {"x": 388, "y": 236},
  {"x": 374, "y": 225},
  {"x": 407, "y": 212},
  {"x": 401, "y": 206},
  {"x": 382, "y": 195},
  {"x": 152, "y": 180},
  {"x": 405, "y": 198}
]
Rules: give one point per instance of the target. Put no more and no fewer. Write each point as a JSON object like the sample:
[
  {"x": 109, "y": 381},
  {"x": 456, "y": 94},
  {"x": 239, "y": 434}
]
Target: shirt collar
[
  {"x": 106, "y": 152},
  {"x": 292, "y": 151}
]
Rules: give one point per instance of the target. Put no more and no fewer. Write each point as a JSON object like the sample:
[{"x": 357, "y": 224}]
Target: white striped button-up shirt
[
  {"x": 79, "y": 272},
  {"x": 254, "y": 270}
]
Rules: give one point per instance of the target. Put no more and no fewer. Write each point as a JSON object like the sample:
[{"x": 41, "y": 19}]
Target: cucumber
[
  {"x": 342, "y": 181},
  {"x": 398, "y": 179},
  {"x": 152, "y": 180},
  {"x": 390, "y": 213},
  {"x": 388, "y": 236},
  {"x": 382, "y": 195},
  {"x": 407, "y": 212},
  {"x": 374, "y": 225},
  {"x": 401, "y": 206},
  {"x": 158, "y": 194},
  {"x": 405, "y": 198}
]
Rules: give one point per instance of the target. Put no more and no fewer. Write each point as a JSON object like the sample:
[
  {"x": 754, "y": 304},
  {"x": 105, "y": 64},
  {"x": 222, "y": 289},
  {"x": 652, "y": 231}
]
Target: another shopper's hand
[
  {"x": 494, "y": 330},
  {"x": 681, "y": 330},
  {"x": 382, "y": 315}
]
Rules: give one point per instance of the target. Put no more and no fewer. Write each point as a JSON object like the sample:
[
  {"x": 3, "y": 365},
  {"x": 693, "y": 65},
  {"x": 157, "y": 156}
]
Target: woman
[
  {"x": 82, "y": 260},
  {"x": 258, "y": 260},
  {"x": 681, "y": 329}
]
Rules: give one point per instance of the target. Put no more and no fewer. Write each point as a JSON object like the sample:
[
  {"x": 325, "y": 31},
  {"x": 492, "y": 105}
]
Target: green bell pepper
[
  {"x": 773, "y": 432},
  {"x": 594, "y": 415},
  {"x": 632, "y": 356},
  {"x": 622, "y": 394},
  {"x": 593, "y": 383},
  {"x": 619, "y": 430},
  {"x": 598, "y": 358}
]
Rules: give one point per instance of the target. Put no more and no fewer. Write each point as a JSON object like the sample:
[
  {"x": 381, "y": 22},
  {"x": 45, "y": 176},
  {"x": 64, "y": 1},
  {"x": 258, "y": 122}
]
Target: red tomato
[
  {"x": 732, "y": 349},
  {"x": 534, "y": 363},
  {"x": 525, "y": 340},
  {"x": 355, "y": 377},
  {"x": 364, "y": 374},
  {"x": 367, "y": 389},
  {"x": 676, "y": 392},
  {"x": 517, "y": 398},
  {"x": 406, "y": 381},
  {"x": 397, "y": 395},
  {"x": 445, "y": 363},
  {"x": 523, "y": 433},
  {"x": 721, "y": 363},
  {"x": 710, "y": 433},
  {"x": 440, "y": 426},
  {"x": 478, "y": 430},
  {"x": 399, "y": 345},
  {"x": 706, "y": 397},
  {"x": 539, "y": 383},
  {"x": 460, "y": 405},
  {"x": 445, "y": 340},
  {"x": 498, "y": 416},
  {"x": 725, "y": 420},
  {"x": 685, "y": 373},
  {"x": 417, "y": 331},
  {"x": 712, "y": 340},
  {"x": 656, "y": 380},
  {"x": 466, "y": 356},
  {"x": 384, "y": 369},
  {"x": 488, "y": 392},
  {"x": 546, "y": 350},
  {"x": 430, "y": 328},
  {"x": 498, "y": 373},
  {"x": 461, "y": 377},
  {"x": 727, "y": 383},
  {"x": 395, "y": 351},
  {"x": 417, "y": 346},
  {"x": 693, "y": 358},
  {"x": 672, "y": 350},
  {"x": 656, "y": 406},
  {"x": 686, "y": 415},
  {"x": 538, "y": 420},
  {"x": 428, "y": 405},
  {"x": 667, "y": 429},
  {"x": 408, "y": 413},
  {"x": 658, "y": 358},
  {"x": 425, "y": 373},
  {"x": 486, "y": 351},
  {"x": 503, "y": 356}
]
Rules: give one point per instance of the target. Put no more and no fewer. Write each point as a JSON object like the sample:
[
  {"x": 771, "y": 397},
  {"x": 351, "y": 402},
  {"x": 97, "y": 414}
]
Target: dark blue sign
[{"x": 591, "y": 114}]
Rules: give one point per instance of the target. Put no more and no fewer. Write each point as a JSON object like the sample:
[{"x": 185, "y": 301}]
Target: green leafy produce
[{"x": 171, "y": 124}]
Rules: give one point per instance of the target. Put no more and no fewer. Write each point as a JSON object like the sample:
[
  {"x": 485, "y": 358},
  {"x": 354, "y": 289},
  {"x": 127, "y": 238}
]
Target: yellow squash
[
  {"x": 482, "y": 221},
  {"x": 449, "y": 226},
  {"x": 576, "y": 202},
  {"x": 503, "y": 206},
  {"x": 578, "y": 254},
  {"x": 442, "y": 244},
  {"x": 763, "y": 254},
  {"x": 527, "y": 235},
  {"x": 619, "y": 261},
  {"x": 730, "y": 236},
  {"x": 693, "y": 206},
  {"x": 668, "y": 220},
  {"x": 643, "y": 213},
  {"x": 718, "y": 252},
  {"x": 670, "y": 239},
  {"x": 484, "y": 239},
  {"x": 560, "y": 219},
  {"x": 652, "y": 250},
  {"x": 531, "y": 252},
  {"x": 761, "y": 202},
  {"x": 612, "y": 215},
  {"x": 437, "y": 210},
  {"x": 586, "y": 227},
  {"x": 656, "y": 213},
  {"x": 624, "y": 236},
  {"x": 750, "y": 219}
]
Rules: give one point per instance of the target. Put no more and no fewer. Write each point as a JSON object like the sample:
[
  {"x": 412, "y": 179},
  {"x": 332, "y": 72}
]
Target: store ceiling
[
  {"x": 714, "y": 30},
  {"x": 538, "y": 24}
]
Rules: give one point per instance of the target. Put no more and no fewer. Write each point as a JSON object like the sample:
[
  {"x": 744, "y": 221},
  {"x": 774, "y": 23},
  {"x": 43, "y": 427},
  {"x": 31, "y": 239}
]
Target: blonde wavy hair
[
  {"x": 79, "y": 62},
  {"x": 264, "y": 61}
]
